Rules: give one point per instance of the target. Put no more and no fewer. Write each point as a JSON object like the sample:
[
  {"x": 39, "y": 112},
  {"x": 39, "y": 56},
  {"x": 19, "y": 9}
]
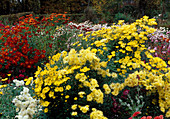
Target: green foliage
[
  {"x": 90, "y": 14},
  {"x": 12, "y": 18},
  {"x": 121, "y": 16},
  {"x": 132, "y": 104},
  {"x": 6, "y": 107}
]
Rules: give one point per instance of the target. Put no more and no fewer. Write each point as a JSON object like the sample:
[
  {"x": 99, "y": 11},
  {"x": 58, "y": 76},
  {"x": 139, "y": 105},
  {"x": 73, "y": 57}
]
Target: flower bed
[{"x": 102, "y": 72}]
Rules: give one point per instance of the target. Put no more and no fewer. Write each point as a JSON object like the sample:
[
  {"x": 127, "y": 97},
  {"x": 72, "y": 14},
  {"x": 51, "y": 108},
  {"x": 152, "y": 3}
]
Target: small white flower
[
  {"x": 25, "y": 104},
  {"x": 26, "y": 117},
  {"x": 30, "y": 99},
  {"x": 19, "y": 117},
  {"x": 21, "y": 97},
  {"x": 30, "y": 111},
  {"x": 18, "y": 83},
  {"x": 23, "y": 113},
  {"x": 18, "y": 103},
  {"x": 14, "y": 100},
  {"x": 26, "y": 89}
]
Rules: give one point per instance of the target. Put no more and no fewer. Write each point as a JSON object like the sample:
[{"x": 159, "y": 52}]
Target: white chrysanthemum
[
  {"x": 18, "y": 83},
  {"x": 26, "y": 106}
]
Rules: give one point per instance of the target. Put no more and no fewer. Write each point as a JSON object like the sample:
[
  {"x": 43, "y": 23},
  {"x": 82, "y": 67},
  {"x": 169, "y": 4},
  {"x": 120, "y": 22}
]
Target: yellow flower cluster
[
  {"x": 28, "y": 81},
  {"x": 96, "y": 95},
  {"x": 131, "y": 80},
  {"x": 51, "y": 79},
  {"x": 97, "y": 114},
  {"x": 129, "y": 39},
  {"x": 84, "y": 109},
  {"x": 116, "y": 87},
  {"x": 164, "y": 94},
  {"x": 153, "y": 81}
]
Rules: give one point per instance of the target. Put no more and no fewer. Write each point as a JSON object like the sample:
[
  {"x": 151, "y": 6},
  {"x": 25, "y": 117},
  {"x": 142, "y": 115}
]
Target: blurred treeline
[
  {"x": 41, "y": 6},
  {"x": 106, "y": 10},
  {"x": 78, "y": 6}
]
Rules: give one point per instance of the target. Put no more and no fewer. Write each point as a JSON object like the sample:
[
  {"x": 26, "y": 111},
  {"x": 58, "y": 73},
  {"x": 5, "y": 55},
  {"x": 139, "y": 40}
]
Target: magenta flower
[
  {"x": 125, "y": 92},
  {"x": 21, "y": 75}
]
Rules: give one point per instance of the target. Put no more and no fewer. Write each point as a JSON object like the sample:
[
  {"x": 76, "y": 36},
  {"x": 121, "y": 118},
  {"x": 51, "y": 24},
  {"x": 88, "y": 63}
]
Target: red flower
[
  {"x": 29, "y": 66},
  {"x": 29, "y": 36},
  {"x": 159, "y": 117},
  {"x": 11, "y": 51},
  {"x": 38, "y": 30},
  {"x": 14, "y": 49},
  {"x": 12, "y": 78},
  {"x": 21, "y": 64},
  {"x": 37, "y": 53},
  {"x": 26, "y": 62},
  {"x": 50, "y": 45},
  {"x": 21, "y": 75},
  {"x": 9, "y": 72},
  {"x": 0, "y": 66},
  {"x": 36, "y": 57},
  {"x": 42, "y": 56},
  {"x": 24, "y": 37},
  {"x": 26, "y": 77},
  {"x": 149, "y": 117},
  {"x": 6, "y": 66},
  {"x": 2, "y": 61},
  {"x": 144, "y": 117},
  {"x": 46, "y": 32},
  {"x": 43, "y": 51},
  {"x": 14, "y": 62},
  {"x": 5, "y": 53},
  {"x": 136, "y": 113}
]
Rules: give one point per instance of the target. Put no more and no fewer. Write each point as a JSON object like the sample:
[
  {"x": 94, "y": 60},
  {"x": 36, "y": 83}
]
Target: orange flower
[
  {"x": 64, "y": 15},
  {"x": 7, "y": 27}
]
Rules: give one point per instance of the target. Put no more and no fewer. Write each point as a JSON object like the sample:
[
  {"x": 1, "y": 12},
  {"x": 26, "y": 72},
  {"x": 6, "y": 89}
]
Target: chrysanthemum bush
[
  {"x": 17, "y": 56},
  {"x": 88, "y": 81},
  {"x": 26, "y": 45},
  {"x": 42, "y": 30},
  {"x": 17, "y": 101}
]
